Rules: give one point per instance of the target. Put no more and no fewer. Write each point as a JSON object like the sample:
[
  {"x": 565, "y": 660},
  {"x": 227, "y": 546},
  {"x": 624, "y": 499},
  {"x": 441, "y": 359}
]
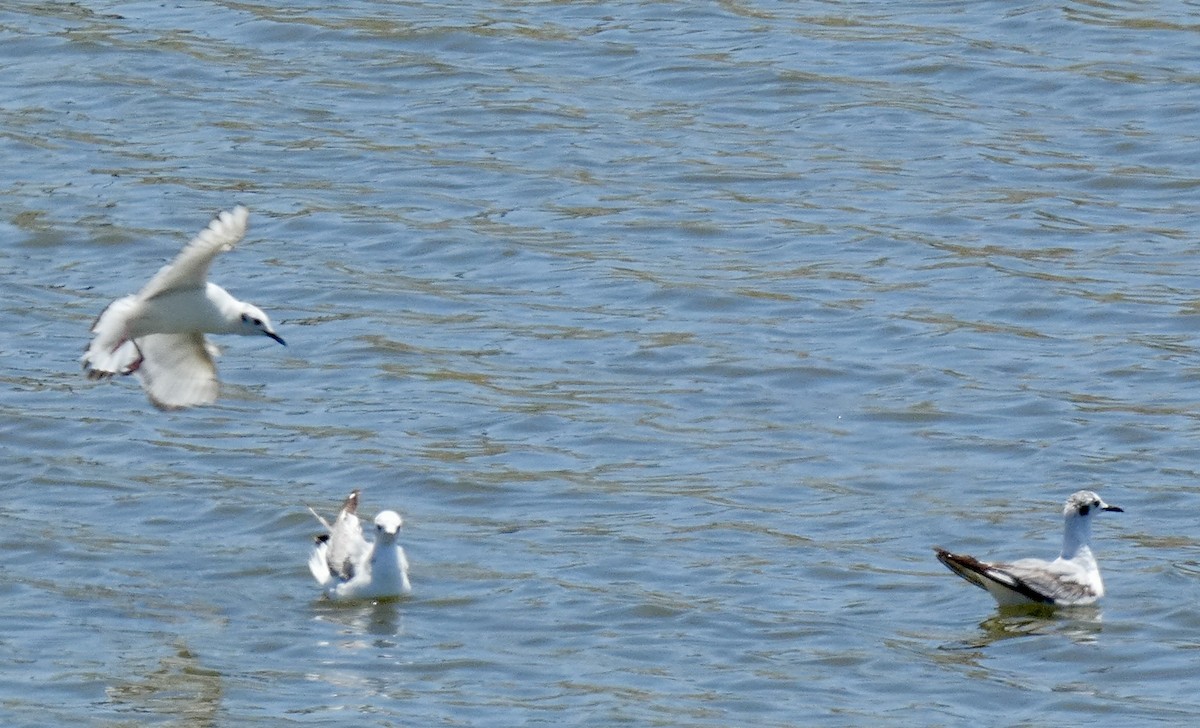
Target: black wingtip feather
[{"x": 979, "y": 573}]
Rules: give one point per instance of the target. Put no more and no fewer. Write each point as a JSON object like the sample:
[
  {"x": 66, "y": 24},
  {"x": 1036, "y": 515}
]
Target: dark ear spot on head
[
  {"x": 1083, "y": 510},
  {"x": 244, "y": 317}
]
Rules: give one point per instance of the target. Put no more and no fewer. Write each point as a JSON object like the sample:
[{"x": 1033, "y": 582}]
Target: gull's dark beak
[
  {"x": 278, "y": 338},
  {"x": 1117, "y": 509}
]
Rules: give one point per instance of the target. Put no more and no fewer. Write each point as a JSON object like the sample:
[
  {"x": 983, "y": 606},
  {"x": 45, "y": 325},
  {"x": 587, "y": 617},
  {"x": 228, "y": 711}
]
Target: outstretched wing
[
  {"x": 178, "y": 370},
  {"x": 189, "y": 270}
]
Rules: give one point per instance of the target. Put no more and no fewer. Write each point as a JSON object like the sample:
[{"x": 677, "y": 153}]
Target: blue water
[{"x": 678, "y": 333}]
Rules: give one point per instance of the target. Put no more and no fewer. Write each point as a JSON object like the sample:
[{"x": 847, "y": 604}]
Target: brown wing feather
[{"x": 979, "y": 573}]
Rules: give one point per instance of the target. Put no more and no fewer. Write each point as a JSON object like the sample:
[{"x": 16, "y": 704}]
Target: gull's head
[
  {"x": 255, "y": 323},
  {"x": 1086, "y": 504},
  {"x": 387, "y": 524}
]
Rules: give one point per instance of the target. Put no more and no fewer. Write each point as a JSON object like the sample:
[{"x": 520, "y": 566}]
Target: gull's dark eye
[
  {"x": 1083, "y": 510},
  {"x": 258, "y": 322}
]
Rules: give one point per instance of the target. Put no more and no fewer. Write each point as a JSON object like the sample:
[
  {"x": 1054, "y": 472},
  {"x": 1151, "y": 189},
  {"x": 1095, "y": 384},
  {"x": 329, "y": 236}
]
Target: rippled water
[{"x": 678, "y": 332}]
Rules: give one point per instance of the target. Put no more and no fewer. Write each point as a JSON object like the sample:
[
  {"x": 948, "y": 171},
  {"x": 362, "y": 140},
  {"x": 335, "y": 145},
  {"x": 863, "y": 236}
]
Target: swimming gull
[
  {"x": 1071, "y": 579},
  {"x": 158, "y": 333},
  {"x": 349, "y": 567}
]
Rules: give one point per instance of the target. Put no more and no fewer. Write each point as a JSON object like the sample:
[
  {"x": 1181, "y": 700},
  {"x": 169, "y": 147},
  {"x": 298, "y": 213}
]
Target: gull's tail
[{"x": 110, "y": 352}]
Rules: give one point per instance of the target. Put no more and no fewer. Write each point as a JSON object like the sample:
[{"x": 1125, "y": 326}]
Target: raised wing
[
  {"x": 348, "y": 549},
  {"x": 189, "y": 270}
]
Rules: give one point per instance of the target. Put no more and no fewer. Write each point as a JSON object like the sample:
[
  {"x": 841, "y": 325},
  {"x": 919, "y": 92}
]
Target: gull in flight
[
  {"x": 158, "y": 333},
  {"x": 349, "y": 567},
  {"x": 1071, "y": 579}
]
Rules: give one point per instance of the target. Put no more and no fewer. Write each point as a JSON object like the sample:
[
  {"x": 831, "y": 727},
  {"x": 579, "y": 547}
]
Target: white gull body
[
  {"x": 158, "y": 333},
  {"x": 1071, "y": 579},
  {"x": 348, "y": 567}
]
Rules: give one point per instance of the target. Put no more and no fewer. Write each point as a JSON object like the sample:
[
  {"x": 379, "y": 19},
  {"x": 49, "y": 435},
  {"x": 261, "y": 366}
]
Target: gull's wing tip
[
  {"x": 189, "y": 269},
  {"x": 350, "y": 505},
  {"x": 238, "y": 214},
  {"x": 959, "y": 562},
  {"x": 991, "y": 578},
  {"x": 953, "y": 560}
]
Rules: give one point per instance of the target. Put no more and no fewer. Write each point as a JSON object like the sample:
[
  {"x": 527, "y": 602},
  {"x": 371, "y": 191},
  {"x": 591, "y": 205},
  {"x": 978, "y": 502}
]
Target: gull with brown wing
[
  {"x": 349, "y": 567},
  {"x": 1071, "y": 579}
]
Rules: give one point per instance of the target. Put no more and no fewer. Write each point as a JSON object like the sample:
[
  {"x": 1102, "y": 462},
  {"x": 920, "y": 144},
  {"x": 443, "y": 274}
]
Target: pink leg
[{"x": 137, "y": 362}]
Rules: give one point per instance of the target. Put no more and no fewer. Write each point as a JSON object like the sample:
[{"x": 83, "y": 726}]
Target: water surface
[{"x": 678, "y": 333}]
